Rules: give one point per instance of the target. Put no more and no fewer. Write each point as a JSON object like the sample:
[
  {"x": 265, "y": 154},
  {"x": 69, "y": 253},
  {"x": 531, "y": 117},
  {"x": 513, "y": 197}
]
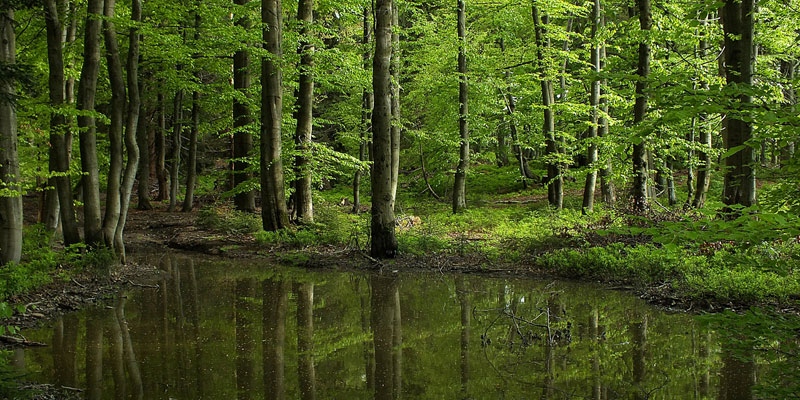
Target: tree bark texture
[
  {"x": 244, "y": 200},
  {"x": 303, "y": 204},
  {"x": 87, "y": 90},
  {"x": 116, "y": 128},
  {"x": 394, "y": 71},
  {"x": 274, "y": 213},
  {"x": 640, "y": 167},
  {"x": 11, "y": 202},
  {"x": 59, "y": 129},
  {"x": 383, "y": 241},
  {"x": 194, "y": 132},
  {"x": 739, "y": 186},
  {"x": 366, "y": 109},
  {"x": 594, "y": 103},
  {"x": 460, "y": 181}
]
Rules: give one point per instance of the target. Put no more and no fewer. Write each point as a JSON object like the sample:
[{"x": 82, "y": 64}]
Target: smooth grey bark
[
  {"x": 460, "y": 181},
  {"x": 10, "y": 202},
  {"x": 59, "y": 129},
  {"x": 274, "y": 213},
  {"x": 640, "y": 166},
  {"x": 87, "y": 91},
  {"x": 366, "y": 109},
  {"x": 243, "y": 200},
  {"x": 175, "y": 157},
  {"x": 116, "y": 127},
  {"x": 739, "y": 187},
  {"x": 555, "y": 180},
  {"x": 594, "y": 103},
  {"x": 303, "y": 204},
  {"x": 131, "y": 128},
  {"x": 394, "y": 86},
  {"x": 383, "y": 242}
]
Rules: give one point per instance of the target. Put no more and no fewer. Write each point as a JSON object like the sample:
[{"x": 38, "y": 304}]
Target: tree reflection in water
[{"x": 218, "y": 331}]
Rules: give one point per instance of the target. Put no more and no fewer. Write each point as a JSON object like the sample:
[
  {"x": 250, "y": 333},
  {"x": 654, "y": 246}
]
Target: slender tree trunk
[
  {"x": 303, "y": 204},
  {"x": 788, "y": 71},
  {"x": 145, "y": 160},
  {"x": 594, "y": 103},
  {"x": 59, "y": 129},
  {"x": 175, "y": 157},
  {"x": 640, "y": 167},
  {"x": 191, "y": 162},
  {"x": 739, "y": 186},
  {"x": 383, "y": 240},
  {"x": 116, "y": 128},
  {"x": 87, "y": 90},
  {"x": 274, "y": 213},
  {"x": 460, "y": 182},
  {"x": 160, "y": 144},
  {"x": 11, "y": 203},
  {"x": 394, "y": 86},
  {"x": 244, "y": 200},
  {"x": 606, "y": 182},
  {"x": 366, "y": 109},
  {"x": 555, "y": 180},
  {"x": 131, "y": 127}
]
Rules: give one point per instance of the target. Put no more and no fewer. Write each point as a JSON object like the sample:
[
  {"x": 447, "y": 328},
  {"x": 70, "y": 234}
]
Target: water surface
[{"x": 236, "y": 330}]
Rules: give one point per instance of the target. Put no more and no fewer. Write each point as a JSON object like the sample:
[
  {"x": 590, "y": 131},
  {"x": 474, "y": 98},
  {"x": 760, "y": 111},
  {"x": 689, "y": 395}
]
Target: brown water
[{"x": 243, "y": 331}]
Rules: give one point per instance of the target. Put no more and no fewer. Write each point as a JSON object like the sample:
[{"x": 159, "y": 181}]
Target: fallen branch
[
  {"x": 142, "y": 285},
  {"x": 20, "y": 341}
]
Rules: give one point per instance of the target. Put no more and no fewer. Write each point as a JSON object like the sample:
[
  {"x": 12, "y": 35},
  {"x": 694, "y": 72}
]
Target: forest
[{"x": 644, "y": 142}]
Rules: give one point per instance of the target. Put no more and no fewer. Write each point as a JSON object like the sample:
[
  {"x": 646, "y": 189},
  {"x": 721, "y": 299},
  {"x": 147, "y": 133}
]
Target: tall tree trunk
[
  {"x": 366, "y": 109},
  {"x": 383, "y": 240},
  {"x": 244, "y": 200},
  {"x": 87, "y": 90},
  {"x": 555, "y": 180},
  {"x": 394, "y": 86},
  {"x": 194, "y": 132},
  {"x": 131, "y": 127},
  {"x": 10, "y": 203},
  {"x": 160, "y": 144},
  {"x": 739, "y": 186},
  {"x": 640, "y": 167},
  {"x": 115, "y": 130},
  {"x": 460, "y": 181},
  {"x": 788, "y": 71},
  {"x": 594, "y": 103},
  {"x": 303, "y": 205},
  {"x": 606, "y": 183},
  {"x": 145, "y": 161},
  {"x": 175, "y": 157},
  {"x": 274, "y": 213},
  {"x": 59, "y": 129}
]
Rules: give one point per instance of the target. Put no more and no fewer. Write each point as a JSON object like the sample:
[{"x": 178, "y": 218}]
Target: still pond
[{"x": 236, "y": 330}]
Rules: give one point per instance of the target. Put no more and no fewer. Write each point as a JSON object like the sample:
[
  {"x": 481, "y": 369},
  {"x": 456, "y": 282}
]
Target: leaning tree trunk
[
  {"x": 366, "y": 110},
  {"x": 460, "y": 181},
  {"x": 87, "y": 90},
  {"x": 274, "y": 213},
  {"x": 59, "y": 129},
  {"x": 303, "y": 204},
  {"x": 10, "y": 202},
  {"x": 555, "y": 180},
  {"x": 244, "y": 200},
  {"x": 640, "y": 110},
  {"x": 594, "y": 103},
  {"x": 115, "y": 130},
  {"x": 383, "y": 240},
  {"x": 131, "y": 127},
  {"x": 739, "y": 186}
]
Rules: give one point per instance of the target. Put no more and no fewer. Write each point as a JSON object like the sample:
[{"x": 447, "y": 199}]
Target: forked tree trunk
[
  {"x": 460, "y": 181},
  {"x": 640, "y": 167},
  {"x": 59, "y": 129},
  {"x": 87, "y": 90},
  {"x": 383, "y": 240},
  {"x": 274, "y": 213},
  {"x": 303, "y": 205},
  {"x": 10, "y": 203},
  {"x": 244, "y": 200}
]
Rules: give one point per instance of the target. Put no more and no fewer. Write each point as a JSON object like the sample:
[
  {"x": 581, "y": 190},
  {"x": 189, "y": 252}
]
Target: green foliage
[{"x": 228, "y": 220}]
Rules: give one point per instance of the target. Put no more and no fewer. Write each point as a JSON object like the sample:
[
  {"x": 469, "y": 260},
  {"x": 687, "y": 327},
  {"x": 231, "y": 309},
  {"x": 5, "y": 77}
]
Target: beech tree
[
  {"x": 10, "y": 190},
  {"x": 640, "y": 166},
  {"x": 303, "y": 205},
  {"x": 244, "y": 199},
  {"x": 460, "y": 181}
]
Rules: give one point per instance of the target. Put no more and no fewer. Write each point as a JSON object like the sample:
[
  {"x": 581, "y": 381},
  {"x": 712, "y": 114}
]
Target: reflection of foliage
[{"x": 772, "y": 339}]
